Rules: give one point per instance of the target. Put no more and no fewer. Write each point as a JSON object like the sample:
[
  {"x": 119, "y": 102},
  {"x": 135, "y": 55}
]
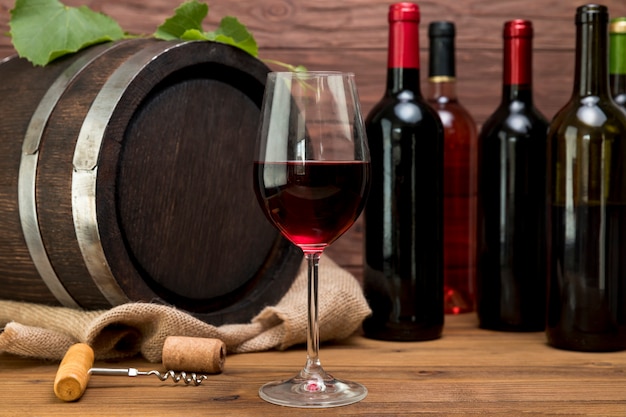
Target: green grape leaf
[
  {"x": 43, "y": 30},
  {"x": 232, "y": 32},
  {"x": 186, "y": 24},
  {"x": 187, "y": 17},
  {"x": 193, "y": 35}
]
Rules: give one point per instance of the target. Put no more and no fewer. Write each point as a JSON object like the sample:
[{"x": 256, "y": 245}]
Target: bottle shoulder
[
  {"x": 453, "y": 107},
  {"x": 405, "y": 109},
  {"x": 515, "y": 118},
  {"x": 457, "y": 117},
  {"x": 588, "y": 116},
  {"x": 402, "y": 96}
]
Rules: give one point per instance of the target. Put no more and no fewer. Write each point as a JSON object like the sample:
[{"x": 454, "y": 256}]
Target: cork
[{"x": 194, "y": 354}]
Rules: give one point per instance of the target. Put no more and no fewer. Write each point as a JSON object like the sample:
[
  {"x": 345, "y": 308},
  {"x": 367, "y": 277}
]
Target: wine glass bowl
[{"x": 311, "y": 177}]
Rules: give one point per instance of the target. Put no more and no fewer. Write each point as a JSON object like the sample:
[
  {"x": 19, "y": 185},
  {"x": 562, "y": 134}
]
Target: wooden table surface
[{"x": 468, "y": 371}]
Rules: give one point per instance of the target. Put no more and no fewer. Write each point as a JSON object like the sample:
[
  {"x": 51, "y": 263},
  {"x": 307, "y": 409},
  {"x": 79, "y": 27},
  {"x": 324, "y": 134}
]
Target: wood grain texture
[
  {"x": 468, "y": 372},
  {"x": 352, "y": 35}
]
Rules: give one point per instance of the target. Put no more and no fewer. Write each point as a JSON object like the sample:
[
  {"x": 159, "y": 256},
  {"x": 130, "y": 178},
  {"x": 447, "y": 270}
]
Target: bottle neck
[
  {"x": 442, "y": 88},
  {"x": 517, "y": 92},
  {"x": 517, "y": 69},
  {"x": 403, "y": 62},
  {"x": 403, "y": 44},
  {"x": 441, "y": 63},
  {"x": 591, "y": 75},
  {"x": 403, "y": 79}
]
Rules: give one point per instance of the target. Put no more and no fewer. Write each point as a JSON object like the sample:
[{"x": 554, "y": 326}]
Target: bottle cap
[
  {"x": 518, "y": 28},
  {"x": 441, "y": 66},
  {"x": 591, "y": 13},
  {"x": 404, "y": 21},
  {"x": 618, "y": 25},
  {"x": 617, "y": 46},
  {"x": 404, "y": 11},
  {"x": 442, "y": 29},
  {"x": 518, "y": 35}
]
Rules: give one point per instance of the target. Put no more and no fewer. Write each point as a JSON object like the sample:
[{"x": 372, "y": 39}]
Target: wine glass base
[{"x": 302, "y": 393}]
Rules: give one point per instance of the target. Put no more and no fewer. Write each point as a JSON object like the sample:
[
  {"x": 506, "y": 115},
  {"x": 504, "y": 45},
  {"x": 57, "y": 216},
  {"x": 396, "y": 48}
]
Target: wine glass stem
[{"x": 313, "y": 365}]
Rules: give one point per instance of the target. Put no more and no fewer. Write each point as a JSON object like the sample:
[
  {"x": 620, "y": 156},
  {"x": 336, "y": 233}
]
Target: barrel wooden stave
[
  {"x": 54, "y": 176},
  {"x": 20, "y": 87}
]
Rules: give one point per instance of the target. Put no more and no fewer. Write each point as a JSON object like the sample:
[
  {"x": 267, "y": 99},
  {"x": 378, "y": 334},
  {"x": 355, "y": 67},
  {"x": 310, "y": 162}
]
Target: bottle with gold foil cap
[{"x": 459, "y": 166}]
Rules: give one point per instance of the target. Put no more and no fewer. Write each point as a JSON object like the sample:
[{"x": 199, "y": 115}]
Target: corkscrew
[
  {"x": 187, "y": 378},
  {"x": 76, "y": 367}
]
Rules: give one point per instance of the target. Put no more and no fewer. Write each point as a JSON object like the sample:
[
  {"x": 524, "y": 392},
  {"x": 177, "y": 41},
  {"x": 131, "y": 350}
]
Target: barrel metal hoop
[
  {"x": 27, "y": 176},
  {"x": 85, "y": 173}
]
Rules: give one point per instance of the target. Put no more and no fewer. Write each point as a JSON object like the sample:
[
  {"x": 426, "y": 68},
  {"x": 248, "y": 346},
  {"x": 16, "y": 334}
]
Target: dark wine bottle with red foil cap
[
  {"x": 587, "y": 192},
  {"x": 459, "y": 167},
  {"x": 403, "y": 274},
  {"x": 511, "y": 277},
  {"x": 617, "y": 60}
]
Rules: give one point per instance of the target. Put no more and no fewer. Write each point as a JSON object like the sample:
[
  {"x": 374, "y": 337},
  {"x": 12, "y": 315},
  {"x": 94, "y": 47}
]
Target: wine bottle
[
  {"x": 617, "y": 60},
  {"x": 459, "y": 167},
  {"x": 403, "y": 272},
  {"x": 587, "y": 192},
  {"x": 511, "y": 278}
]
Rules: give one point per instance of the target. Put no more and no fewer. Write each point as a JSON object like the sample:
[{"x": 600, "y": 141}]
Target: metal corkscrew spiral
[{"x": 187, "y": 378}]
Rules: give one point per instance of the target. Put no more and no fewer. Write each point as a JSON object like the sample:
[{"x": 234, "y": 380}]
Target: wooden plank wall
[{"x": 352, "y": 35}]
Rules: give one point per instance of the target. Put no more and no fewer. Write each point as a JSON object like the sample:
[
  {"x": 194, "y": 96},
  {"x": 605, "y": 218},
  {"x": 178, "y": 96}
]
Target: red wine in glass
[{"x": 312, "y": 202}]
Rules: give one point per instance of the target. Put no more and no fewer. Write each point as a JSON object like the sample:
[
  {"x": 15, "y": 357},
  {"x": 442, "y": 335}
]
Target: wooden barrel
[{"x": 127, "y": 176}]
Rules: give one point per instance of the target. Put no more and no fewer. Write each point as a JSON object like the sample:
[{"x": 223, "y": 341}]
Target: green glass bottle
[
  {"x": 586, "y": 174},
  {"x": 617, "y": 60}
]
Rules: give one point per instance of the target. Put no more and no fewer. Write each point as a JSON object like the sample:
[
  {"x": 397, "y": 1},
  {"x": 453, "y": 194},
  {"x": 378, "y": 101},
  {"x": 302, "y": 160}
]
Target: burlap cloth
[{"x": 46, "y": 332}]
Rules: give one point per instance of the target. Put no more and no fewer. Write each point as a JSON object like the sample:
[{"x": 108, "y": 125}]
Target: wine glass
[{"x": 311, "y": 177}]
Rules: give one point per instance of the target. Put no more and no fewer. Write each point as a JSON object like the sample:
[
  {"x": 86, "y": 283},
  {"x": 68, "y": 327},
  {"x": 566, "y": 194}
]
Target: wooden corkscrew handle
[{"x": 73, "y": 374}]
